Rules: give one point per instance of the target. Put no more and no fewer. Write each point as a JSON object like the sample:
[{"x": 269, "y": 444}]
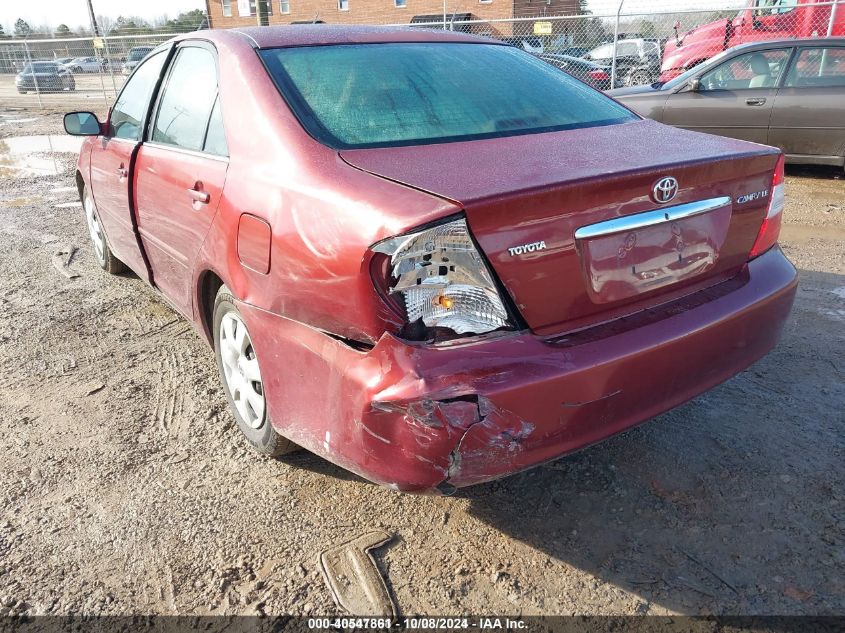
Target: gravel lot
[
  {"x": 94, "y": 92},
  {"x": 125, "y": 487}
]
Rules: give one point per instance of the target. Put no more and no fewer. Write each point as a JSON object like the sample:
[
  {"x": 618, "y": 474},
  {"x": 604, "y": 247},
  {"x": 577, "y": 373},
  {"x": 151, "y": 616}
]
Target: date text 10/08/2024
[{"x": 418, "y": 623}]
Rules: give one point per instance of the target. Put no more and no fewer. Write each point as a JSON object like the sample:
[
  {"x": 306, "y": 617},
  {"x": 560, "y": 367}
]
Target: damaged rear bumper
[{"x": 418, "y": 417}]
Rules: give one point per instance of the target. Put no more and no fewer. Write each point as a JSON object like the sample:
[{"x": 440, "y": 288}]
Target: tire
[
  {"x": 639, "y": 78},
  {"x": 102, "y": 253},
  {"x": 238, "y": 368}
]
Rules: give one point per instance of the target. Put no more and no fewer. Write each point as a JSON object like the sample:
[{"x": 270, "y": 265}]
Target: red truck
[{"x": 760, "y": 20}]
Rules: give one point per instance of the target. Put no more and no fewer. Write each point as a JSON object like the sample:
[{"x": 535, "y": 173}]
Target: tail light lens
[
  {"x": 598, "y": 75},
  {"x": 443, "y": 280},
  {"x": 770, "y": 229}
]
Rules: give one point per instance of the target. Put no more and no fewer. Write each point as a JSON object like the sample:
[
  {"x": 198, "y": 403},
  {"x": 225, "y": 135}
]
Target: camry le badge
[
  {"x": 751, "y": 197},
  {"x": 527, "y": 248},
  {"x": 665, "y": 190}
]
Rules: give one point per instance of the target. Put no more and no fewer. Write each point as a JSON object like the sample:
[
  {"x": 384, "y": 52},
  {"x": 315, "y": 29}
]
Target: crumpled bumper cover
[{"x": 419, "y": 418}]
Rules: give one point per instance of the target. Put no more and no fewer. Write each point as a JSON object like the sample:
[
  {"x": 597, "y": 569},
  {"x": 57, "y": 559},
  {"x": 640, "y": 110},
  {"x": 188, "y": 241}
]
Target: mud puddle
[{"x": 27, "y": 156}]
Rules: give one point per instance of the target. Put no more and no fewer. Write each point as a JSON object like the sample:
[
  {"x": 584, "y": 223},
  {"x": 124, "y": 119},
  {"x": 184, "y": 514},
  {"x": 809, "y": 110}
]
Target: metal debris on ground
[
  {"x": 353, "y": 578},
  {"x": 61, "y": 261}
]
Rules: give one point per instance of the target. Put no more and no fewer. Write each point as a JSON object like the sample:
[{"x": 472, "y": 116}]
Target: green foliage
[
  {"x": 188, "y": 21},
  {"x": 63, "y": 30},
  {"x": 22, "y": 29}
]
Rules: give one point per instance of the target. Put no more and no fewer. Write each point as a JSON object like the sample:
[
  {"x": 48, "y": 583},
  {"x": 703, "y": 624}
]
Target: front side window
[
  {"x": 187, "y": 100},
  {"x": 759, "y": 69},
  {"x": 128, "y": 111},
  {"x": 773, "y": 7},
  {"x": 374, "y": 95},
  {"x": 817, "y": 68}
]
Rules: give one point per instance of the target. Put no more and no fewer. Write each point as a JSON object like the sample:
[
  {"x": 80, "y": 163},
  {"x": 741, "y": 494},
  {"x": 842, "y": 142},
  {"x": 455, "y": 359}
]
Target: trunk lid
[{"x": 568, "y": 220}]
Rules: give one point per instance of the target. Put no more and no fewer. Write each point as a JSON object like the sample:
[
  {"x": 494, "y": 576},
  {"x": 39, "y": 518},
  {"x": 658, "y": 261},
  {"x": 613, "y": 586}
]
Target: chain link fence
[
  {"x": 656, "y": 44},
  {"x": 619, "y": 47},
  {"x": 62, "y": 74}
]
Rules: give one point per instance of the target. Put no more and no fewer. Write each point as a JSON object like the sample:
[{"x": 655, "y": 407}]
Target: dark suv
[{"x": 637, "y": 60}]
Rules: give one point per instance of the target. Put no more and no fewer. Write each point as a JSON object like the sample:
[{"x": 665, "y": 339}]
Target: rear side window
[
  {"x": 188, "y": 98},
  {"x": 818, "y": 68},
  {"x": 377, "y": 95},
  {"x": 128, "y": 110},
  {"x": 215, "y": 140}
]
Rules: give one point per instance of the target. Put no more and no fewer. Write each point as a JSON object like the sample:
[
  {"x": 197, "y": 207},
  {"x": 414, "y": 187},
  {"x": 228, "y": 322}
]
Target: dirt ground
[
  {"x": 125, "y": 487},
  {"x": 94, "y": 92}
]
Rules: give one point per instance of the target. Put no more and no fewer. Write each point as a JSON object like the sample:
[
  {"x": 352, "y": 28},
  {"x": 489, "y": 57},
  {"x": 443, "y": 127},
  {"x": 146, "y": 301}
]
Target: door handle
[
  {"x": 199, "y": 196},
  {"x": 121, "y": 171},
  {"x": 756, "y": 101}
]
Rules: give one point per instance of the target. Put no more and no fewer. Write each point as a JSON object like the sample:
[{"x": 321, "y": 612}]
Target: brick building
[{"x": 233, "y": 13}]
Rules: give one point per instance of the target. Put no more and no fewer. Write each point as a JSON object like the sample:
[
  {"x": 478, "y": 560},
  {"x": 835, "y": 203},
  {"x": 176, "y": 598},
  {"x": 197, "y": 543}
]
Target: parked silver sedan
[{"x": 786, "y": 93}]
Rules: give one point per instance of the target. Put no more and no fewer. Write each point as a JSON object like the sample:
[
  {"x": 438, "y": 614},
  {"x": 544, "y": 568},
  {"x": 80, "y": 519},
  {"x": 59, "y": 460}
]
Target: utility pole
[
  {"x": 832, "y": 21},
  {"x": 93, "y": 19}
]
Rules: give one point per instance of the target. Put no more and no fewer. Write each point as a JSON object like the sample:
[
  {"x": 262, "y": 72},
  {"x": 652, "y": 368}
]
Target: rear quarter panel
[{"x": 323, "y": 213}]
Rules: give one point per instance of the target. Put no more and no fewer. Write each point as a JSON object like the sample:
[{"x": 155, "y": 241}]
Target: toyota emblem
[{"x": 665, "y": 190}]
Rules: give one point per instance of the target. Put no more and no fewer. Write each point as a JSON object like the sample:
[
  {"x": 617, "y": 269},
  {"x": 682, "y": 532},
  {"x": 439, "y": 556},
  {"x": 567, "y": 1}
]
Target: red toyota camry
[{"x": 429, "y": 257}]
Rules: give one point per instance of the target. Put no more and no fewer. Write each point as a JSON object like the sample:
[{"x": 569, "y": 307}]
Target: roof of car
[
  {"x": 320, "y": 34},
  {"x": 791, "y": 41}
]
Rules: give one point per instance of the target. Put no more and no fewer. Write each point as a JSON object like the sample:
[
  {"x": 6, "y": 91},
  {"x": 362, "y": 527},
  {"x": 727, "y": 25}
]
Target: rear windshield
[
  {"x": 40, "y": 67},
  {"x": 379, "y": 95}
]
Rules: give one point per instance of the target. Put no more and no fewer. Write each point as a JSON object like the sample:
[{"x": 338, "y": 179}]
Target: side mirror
[
  {"x": 82, "y": 124},
  {"x": 694, "y": 84}
]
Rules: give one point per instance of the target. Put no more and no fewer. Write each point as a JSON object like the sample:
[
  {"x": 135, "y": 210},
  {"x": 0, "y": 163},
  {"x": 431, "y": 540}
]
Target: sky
[{"x": 74, "y": 13}]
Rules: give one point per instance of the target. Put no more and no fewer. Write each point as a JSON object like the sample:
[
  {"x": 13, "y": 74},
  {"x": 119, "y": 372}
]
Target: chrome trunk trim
[{"x": 650, "y": 218}]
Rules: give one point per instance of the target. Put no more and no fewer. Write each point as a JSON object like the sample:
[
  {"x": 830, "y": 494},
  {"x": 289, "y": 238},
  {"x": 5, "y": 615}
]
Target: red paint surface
[
  {"x": 413, "y": 415},
  {"x": 809, "y": 18},
  {"x": 172, "y": 224},
  {"x": 254, "y": 239}
]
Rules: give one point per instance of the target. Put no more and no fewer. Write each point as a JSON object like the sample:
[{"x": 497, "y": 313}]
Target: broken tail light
[
  {"x": 443, "y": 281},
  {"x": 770, "y": 229}
]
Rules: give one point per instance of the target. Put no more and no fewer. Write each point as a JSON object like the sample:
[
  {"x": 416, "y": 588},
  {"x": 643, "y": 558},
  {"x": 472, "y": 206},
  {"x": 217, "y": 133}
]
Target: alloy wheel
[
  {"x": 240, "y": 370},
  {"x": 94, "y": 229}
]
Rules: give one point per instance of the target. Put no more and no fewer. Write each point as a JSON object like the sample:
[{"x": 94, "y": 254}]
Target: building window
[
  {"x": 246, "y": 8},
  {"x": 343, "y": 5},
  {"x": 400, "y": 4},
  {"x": 485, "y": 1},
  {"x": 227, "y": 8},
  {"x": 284, "y": 6},
  {"x": 250, "y": 8}
]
